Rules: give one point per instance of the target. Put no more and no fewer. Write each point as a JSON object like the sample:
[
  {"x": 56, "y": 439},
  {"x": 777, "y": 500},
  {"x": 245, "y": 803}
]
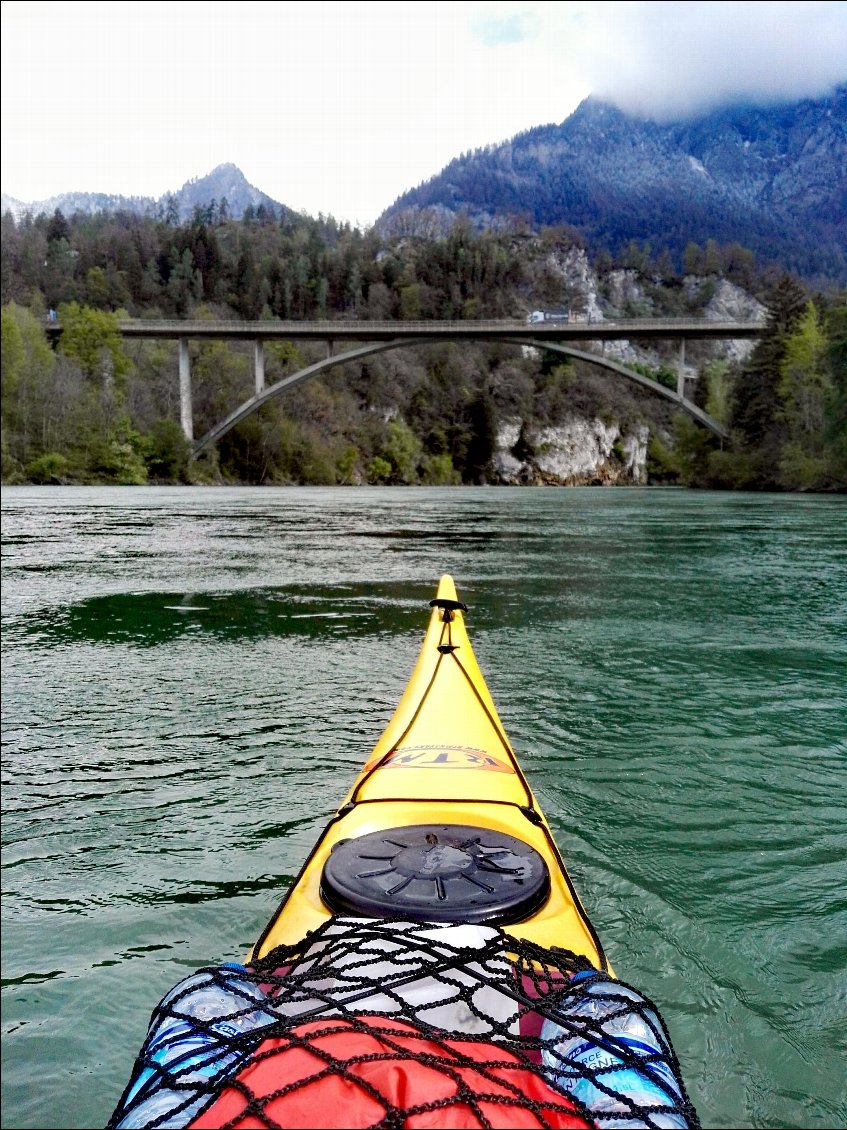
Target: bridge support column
[
  {"x": 185, "y": 407},
  {"x": 259, "y": 364},
  {"x": 680, "y": 373}
]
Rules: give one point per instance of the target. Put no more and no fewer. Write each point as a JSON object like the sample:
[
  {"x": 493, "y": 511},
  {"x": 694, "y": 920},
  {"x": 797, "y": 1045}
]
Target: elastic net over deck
[{"x": 380, "y": 1023}]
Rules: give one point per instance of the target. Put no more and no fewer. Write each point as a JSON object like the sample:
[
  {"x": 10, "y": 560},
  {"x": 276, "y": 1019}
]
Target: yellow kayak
[
  {"x": 430, "y": 967},
  {"x": 441, "y": 824}
]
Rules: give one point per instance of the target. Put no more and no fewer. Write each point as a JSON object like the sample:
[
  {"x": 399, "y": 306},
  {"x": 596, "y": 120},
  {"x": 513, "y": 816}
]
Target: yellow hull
[{"x": 444, "y": 759}]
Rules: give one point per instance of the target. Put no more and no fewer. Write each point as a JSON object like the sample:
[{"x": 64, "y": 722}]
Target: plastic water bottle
[
  {"x": 190, "y": 1057},
  {"x": 637, "y": 1032}
]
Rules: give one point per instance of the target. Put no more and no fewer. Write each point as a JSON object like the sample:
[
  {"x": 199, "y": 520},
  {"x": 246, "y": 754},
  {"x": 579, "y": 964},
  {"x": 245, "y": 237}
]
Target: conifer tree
[{"x": 757, "y": 419}]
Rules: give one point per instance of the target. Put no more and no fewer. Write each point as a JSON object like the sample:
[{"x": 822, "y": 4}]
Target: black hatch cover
[{"x": 436, "y": 873}]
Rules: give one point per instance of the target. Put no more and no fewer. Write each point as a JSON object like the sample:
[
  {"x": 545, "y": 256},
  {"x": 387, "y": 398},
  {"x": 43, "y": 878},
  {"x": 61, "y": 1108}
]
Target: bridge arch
[{"x": 252, "y": 404}]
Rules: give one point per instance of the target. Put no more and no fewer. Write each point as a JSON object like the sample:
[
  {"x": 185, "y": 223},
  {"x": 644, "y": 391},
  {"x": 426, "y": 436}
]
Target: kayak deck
[{"x": 444, "y": 768}]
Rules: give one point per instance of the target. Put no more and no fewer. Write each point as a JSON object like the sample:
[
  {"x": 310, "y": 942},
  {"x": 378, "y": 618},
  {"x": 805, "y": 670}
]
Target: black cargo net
[{"x": 380, "y": 1023}]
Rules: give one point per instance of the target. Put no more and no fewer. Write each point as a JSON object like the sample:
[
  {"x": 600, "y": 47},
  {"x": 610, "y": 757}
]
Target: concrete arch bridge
[{"x": 559, "y": 335}]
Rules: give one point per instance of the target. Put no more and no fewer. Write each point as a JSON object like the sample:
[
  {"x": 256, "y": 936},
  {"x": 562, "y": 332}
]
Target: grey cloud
[{"x": 671, "y": 60}]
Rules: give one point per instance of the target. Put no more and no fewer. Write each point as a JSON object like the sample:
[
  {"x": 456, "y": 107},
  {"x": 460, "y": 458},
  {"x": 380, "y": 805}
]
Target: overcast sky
[{"x": 339, "y": 108}]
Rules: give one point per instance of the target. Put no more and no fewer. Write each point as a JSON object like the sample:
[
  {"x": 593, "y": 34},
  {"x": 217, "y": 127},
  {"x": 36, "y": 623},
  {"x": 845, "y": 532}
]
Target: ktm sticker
[{"x": 444, "y": 757}]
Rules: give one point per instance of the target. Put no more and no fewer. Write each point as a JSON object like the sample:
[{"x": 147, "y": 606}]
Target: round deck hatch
[{"x": 436, "y": 873}]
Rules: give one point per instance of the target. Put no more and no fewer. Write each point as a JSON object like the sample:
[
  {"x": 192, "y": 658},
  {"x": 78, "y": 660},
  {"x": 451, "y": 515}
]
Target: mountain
[
  {"x": 773, "y": 179},
  {"x": 225, "y": 183},
  {"x": 70, "y": 202}
]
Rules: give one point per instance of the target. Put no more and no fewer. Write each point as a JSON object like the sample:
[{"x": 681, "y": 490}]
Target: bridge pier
[
  {"x": 259, "y": 364},
  {"x": 680, "y": 372},
  {"x": 186, "y": 411}
]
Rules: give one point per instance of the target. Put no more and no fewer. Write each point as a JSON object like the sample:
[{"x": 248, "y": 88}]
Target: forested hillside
[{"x": 99, "y": 409}]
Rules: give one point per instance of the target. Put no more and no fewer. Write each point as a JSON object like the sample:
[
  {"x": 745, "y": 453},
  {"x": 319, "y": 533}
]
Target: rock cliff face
[
  {"x": 577, "y": 452},
  {"x": 585, "y": 448},
  {"x": 621, "y": 293},
  {"x": 729, "y": 303}
]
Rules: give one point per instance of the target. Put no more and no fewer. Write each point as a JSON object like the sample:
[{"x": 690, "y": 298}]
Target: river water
[{"x": 192, "y": 678}]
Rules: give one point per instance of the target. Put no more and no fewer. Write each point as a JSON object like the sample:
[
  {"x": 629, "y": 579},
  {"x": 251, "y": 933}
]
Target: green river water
[{"x": 192, "y": 677}]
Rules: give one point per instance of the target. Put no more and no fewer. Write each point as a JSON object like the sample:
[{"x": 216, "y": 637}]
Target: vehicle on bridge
[{"x": 560, "y": 314}]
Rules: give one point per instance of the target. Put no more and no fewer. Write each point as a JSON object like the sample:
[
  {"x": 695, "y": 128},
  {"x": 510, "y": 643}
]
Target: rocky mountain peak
[{"x": 226, "y": 182}]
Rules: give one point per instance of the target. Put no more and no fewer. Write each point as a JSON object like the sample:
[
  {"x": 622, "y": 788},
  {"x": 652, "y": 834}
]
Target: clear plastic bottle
[
  {"x": 636, "y": 1031},
  {"x": 189, "y": 1055}
]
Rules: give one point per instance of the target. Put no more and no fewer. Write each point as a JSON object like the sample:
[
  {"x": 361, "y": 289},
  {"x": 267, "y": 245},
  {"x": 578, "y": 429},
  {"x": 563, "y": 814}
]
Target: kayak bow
[{"x": 441, "y": 824}]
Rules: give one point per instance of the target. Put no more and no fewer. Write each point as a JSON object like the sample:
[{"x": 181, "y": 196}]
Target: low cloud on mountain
[{"x": 667, "y": 60}]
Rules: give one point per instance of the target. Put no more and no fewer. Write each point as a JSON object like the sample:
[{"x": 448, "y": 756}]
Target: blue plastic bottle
[
  {"x": 602, "y": 1002},
  {"x": 190, "y": 1057}
]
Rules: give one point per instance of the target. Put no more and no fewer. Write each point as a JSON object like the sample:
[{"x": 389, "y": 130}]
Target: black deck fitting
[{"x": 448, "y": 607}]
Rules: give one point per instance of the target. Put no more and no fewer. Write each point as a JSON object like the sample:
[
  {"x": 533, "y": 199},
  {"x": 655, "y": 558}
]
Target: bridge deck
[{"x": 645, "y": 328}]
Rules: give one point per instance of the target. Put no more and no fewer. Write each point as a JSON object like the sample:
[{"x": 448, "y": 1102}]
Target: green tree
[
  {"x": 11, "y": 349},
  {"x": 438, "y": 471},
  {"x": 58, "y": 280},
  {"x": 410, "y": 302},
  {"x": 185, "y": 282},
  {"x": 692, "y": 448},
  {"x": 119, "y": 455},
  {"x": 96, "y": 288},
  {"x": 379, "y": 470},
  {"x": 718, "y": 380},
  {"x": 804, "y": 383},
  {"x": 552, "y": 389},
  {"x": 100, "y": 440},
  {"x": 835, "y": 428},
  {"x": 13, "y": 356},
  {"x": 51, "y": 467},
  {"x": 693, "y": 259},
  {"x": 483, "y": 437},
  {"x": 346, "y": 464},
  {"x": 169, "y": 452},
  {"x": 58, "y": 228},
  {"x": 92, "y": 339},
  {"x": 757, "y": 417},
  {"x": 403, "y": 450},
  {"x": 27, "y": 393}
]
